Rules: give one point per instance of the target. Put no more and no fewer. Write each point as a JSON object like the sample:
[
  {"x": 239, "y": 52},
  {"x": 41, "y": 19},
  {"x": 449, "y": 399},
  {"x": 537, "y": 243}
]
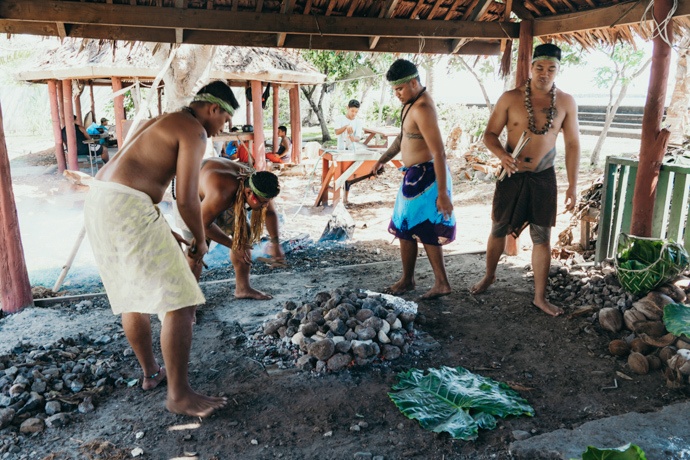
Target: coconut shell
[
  {"x": 673, "y": 291},
  {"x": 611, "y": 319},
  {"x": 682, "y": 344},
  {"x": 659, "y": 342},
  {"x": 667, "y": 353},
  {"x": 619, "y": 347},
  {"x": 638, "y": 363},
  {"x": 649, "y": 309},
  {"x": 638, "y": 346},
  {"x": 654, "y": 362},
  {"x": 659, "y": 298},
  {"x": 630, "y": 317},
  {"x": 651, "y": 328}
]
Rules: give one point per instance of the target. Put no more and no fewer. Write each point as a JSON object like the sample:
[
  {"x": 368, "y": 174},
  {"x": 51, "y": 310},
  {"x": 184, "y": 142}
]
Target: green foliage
[
  {"x": 677, "y": 319},
  {"x": 472, "y": 119},
  {"x": 624, "y": 59},
  {"x": 627, "y": 452},
  {"x": 390, "y": 113},
  {"x": 455, "y": 400}
]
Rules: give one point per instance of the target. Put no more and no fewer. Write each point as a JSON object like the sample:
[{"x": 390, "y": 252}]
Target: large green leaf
[
  {"x": 455, "y": 400},
  {"x": 677, "y": 319},
  {"x": 627, "y": 452}
]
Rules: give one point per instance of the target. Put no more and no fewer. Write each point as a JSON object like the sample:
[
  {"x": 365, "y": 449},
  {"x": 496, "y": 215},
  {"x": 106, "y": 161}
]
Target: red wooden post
[
  {"x": 259, "y": 150},
  {"x": 295, "y": 125},
  {"x": 248, "y": 107},
  {"x": 276, "y": 117},
  {"x": 524, "y": 60},
  {"x": 57, "y": 133},
  {"x": 15, "y": 289},
  {"x": 654, "y": 139},
  {"x": 61, "y": 110},
  {"x": 119, "y": 109},
  {"x": 93, "y": 101},
  {"x": 68, "y": 110},
  {"x": 77, "y": 107}
]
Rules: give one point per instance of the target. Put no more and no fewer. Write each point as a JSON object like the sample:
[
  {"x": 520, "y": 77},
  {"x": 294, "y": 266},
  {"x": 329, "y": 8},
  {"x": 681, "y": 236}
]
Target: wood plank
[
  {"x": 435, "y": 8},
  {"x": 621, "y": 180},
  {"x": 606, "y": 215},
  {"x": 478, "y": 11},
  {"x": 452, "y": 9},
  {"x": 415, "y": 12},
  {"x": 353, "y": 8},
  {"x": 202, "y": 19},
  {"x": 260, "y": 6},
  {"x": 307, "y": 7},
  {"x": 679, "y": 207},
  {"x": 386, "y": 12},
  {"x": 661, "y": 204},
  {"x": 627, "y": 207}
]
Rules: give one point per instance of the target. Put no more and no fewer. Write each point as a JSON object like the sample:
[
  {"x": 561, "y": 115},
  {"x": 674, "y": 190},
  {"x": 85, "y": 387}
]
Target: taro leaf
[
  {"x": 627, "y": 452},
  {"x": 455, "y": 400},
  {"x": 677, "y": 319}
]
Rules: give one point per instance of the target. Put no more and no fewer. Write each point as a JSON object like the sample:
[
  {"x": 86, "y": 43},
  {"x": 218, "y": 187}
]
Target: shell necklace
[{"x": 530, "y": 111}]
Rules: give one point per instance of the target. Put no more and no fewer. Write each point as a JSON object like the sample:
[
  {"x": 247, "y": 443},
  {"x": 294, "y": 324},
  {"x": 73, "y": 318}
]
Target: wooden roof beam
[
  {"x": 307, "y": 7},
  {"x": 417, "y": 8},
  {"x": 386, "y": 12},
  {"x": 478, "y": 10},
  {"x": 179, "y": 31},
  {"x": 287, "y": 8},
  {"x": 61, "y": 30},
  {"x": 434, "y": 9},
  {"x": 452, "y": 9},
  {"x": 620, "y": 14}
]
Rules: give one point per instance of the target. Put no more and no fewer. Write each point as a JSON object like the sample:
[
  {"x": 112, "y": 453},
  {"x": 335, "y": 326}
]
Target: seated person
[
  {"x": 236, "y": 150},
  {"x": 100, "y": 131},
  {"x": 284, "y": 153},
  {"x": 84, "y": 150}
]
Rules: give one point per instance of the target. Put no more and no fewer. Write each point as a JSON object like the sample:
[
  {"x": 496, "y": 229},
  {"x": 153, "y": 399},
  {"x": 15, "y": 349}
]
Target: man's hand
[
  {"x": 180, "y": 239},
  {"x": 444, "y": 205},
  {"x": 570, "y": 198},
  {"x": 376, "y": 169},
  {"x": 197, "y": 250},
  {"x": 510, "y": 164}
]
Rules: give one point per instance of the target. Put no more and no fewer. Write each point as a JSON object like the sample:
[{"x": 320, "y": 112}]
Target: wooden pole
[
  {"x": 15, "y": 289},
  {"x": 295, "y": 124},
  {"x": 259, "y": 145},
  {"x": 57, "y": 133},
  {"x": 72, "y": 161},
  {"x": 248, "y": 107},
  {"x": 93, "y": 101},
  {"x": 61, "y": 109},
  {"x": 654, "y": 139},
  {"x": 524, "y": 60},
  {"x": 119, "y": 109},
  {"x": 76, "y": 97},
  {"x": 276, "y": 117},
  {"x": 70, "y": 258}
]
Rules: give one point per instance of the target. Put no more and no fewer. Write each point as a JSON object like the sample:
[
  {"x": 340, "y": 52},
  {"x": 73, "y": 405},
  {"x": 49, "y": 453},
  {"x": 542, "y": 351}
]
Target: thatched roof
[
  {"x": 98, "y": 61},
  {"x": 419, "y": 26}
]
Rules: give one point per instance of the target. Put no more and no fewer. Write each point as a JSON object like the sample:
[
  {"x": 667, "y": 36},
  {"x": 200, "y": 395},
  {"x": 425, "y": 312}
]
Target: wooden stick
[
  {"x": 70, "y": 259},
  {"x": 522, "y": 142}
]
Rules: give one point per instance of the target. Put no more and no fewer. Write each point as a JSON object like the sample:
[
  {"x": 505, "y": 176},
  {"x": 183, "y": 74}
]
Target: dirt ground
[{"x": 560, "y": 365}]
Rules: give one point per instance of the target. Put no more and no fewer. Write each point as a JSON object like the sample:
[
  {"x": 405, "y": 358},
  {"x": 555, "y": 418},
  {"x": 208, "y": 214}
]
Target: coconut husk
[
  {"x": 639, "y": 346},
  {"x": 630, "y": 317},
  {"x": 659, "y": 342},
  {"x": 649, "y": 308},
  {"x": 638, "y": 363},
  {"x": 673, "y": 291},
  {"x": 619, "y": 347},
  {"x": 653, "y": 328},
  {"x": 611, "y": 319}
]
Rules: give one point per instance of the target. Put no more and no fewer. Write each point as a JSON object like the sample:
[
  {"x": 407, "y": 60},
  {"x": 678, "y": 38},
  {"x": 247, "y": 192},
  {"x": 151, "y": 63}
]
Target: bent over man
[
  {"x": 423, "y": 209},
  {"x": 143, "y": 268},
  {"x": 528, "y": 196}
]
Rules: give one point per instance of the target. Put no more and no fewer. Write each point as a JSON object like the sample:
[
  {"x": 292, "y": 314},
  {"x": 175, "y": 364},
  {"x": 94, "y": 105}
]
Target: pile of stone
[
  {"x": 342, "y": 328},
  {"x": 586, "y": 285},
  {"x": 41, "y": 386}
]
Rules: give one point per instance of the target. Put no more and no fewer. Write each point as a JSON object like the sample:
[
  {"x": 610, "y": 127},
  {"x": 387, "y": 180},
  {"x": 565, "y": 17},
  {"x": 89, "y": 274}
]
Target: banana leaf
[
  {"x": 627, "y": 452},
  {"x": 455, "y": 400},
  {"x": 677, "y": 319}
]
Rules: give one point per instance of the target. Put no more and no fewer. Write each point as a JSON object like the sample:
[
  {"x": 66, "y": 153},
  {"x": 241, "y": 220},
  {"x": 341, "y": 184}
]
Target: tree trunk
[
  {"x": 318, "y": 110},
  {"x": 481, "y": 84},
  {"x": 677, "y": 113}
]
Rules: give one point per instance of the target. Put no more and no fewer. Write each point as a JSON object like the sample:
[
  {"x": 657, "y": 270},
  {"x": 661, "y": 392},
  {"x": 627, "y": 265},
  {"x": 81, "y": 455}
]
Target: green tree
[{"x": 625, "y": 63}]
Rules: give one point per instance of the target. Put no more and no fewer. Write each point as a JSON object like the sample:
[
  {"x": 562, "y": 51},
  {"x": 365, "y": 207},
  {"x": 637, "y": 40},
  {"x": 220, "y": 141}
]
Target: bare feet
[
  {"x": 153, "y": 380},
  {"x": 400, "y": 287},
  {"x": 195, "y": 405},
  {"x": 483, "y": 284},
  {"x": 436, "y": 292},
  {"x": 252, "y": 294},
  {"x": 548, "y": 308}
]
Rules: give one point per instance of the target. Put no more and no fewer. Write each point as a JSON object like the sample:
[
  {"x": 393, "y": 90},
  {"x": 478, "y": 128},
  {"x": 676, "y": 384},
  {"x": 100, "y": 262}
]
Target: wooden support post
[
  {"x": 119, "y": 109},
  {"x": 57, "y": 133},
  {"x": 276, "y": 117},
  {"x": 654, "y": 139},
  {"x": 524, "y": 60},
  {"x": 259, "y": 147},
  {"x": 15, "y": 289},
  {"x": 295, "y": 125},
  {"x": 248, "y": 107},
  {"x": 68, "y": 113},
  {"x": 76, "y": 98},
  {"x": 61, "y": 110},
  {"x": 93, "y": 101}
]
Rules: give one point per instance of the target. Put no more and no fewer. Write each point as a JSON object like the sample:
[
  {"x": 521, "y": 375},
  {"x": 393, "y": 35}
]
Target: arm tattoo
[{"x": 392, "y": 151}]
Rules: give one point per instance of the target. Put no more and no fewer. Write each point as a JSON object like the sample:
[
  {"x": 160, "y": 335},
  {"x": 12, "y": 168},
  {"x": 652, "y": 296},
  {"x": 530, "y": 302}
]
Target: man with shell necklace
[{"x": 528, "y": 195}]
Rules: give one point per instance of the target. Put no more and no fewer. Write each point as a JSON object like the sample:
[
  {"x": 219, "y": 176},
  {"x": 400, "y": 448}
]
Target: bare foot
[
  {"x": 400, "y": 287},
  {"x": 483, "y": 284},
  {"x": 548, "y": 308},
  {"x": 195, "y": 405},
  {"x": 436, "y": 292},
  {"x": 153, "y": 380},
  {"x": 252, "y": 294}
]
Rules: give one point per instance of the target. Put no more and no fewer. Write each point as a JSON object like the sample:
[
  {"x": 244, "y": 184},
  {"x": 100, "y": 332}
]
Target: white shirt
[{"x": 344, "y": 142}]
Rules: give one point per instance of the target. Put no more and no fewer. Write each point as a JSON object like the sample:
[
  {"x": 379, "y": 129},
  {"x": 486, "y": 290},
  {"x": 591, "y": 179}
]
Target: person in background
[
  {"x": 528, "y": 196},
  {"x": 284, "y": 152},
  {"x": 236, "y": 150},
  {"x": 348, "y": 127},
  {"x": 100, "y": 130},
  {"x": 84, "y": 149}
]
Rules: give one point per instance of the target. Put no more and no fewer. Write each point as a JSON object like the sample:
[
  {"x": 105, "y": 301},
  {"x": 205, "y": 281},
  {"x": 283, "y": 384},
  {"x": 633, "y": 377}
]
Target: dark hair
[
  {"x": 103, "y": 120},
  {"x": 400, "y": 69},
  {"x": 266, "y": 182},
  {"x": 547, "y": 50},
  {"x": 282, "y": 128},
  {"x": 353, "y": 103},
  {"x": 221, "y": 90}
]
